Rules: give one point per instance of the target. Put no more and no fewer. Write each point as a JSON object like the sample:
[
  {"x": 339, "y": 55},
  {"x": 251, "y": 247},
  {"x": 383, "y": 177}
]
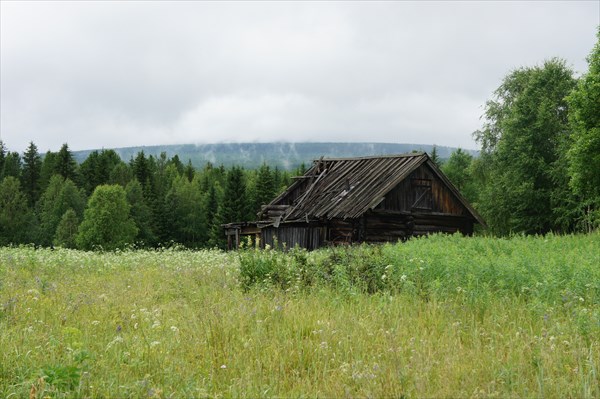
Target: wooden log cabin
[{"x": 365, "y": 199}]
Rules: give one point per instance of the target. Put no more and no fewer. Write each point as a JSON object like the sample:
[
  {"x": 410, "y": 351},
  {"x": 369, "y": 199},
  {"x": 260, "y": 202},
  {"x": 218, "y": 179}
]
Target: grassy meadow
[{"x": 444, "y": 316}]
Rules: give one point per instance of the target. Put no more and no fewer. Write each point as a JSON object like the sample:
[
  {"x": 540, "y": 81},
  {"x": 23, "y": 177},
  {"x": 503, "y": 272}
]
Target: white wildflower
[{"x": 116, "y": 340}]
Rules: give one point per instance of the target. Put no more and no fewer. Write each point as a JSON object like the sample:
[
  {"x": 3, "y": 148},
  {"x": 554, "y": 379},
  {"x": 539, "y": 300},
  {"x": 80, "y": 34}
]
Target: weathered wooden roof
[{"x": 349, "y": 187}]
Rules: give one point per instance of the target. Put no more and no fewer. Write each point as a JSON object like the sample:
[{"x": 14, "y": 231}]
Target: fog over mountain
[{"x": 283, "y": 155}]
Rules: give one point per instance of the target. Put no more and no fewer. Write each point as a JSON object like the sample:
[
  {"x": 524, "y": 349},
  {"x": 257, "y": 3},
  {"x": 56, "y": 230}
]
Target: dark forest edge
[{"x": 538, "y": 172}]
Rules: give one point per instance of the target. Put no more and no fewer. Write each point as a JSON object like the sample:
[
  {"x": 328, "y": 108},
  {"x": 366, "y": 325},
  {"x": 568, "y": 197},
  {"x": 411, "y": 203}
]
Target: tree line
[
  {"x": 106, "y": 202},
  {"x": 539, "y": 164},
  {"x": 538, "y": 172}
]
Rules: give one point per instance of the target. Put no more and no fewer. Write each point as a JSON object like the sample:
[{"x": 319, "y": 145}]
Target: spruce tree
[
  {"x": 97, "y": 168},
  {"x": 189, "y": 171},
  {"x": 233, "y": 206},
  {"x": 48, "y": 163},
  {"x": 264, "y": 190},
  {"x": 175, "y": 161},
  {"x": 31, "y": 174},
  {"x": 121, "y": 174},
  {"x": 65, "y": 164},
  {"x": 435, "y": 158},
  {"x": 141, "y": 169},
  {"x": 89, "y": 171},
  {"x": 141, "y": 214}
]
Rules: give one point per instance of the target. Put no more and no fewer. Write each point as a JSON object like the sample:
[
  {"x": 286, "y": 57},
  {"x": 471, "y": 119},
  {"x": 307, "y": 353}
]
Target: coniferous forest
[
  {"x": 538, "y": 172},
  {"x": 52, "y": 200}
]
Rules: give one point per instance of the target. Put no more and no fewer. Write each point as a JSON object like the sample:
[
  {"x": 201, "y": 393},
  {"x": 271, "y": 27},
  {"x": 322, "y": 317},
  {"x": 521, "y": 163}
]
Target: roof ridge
[{"x": 405, "y": 155}]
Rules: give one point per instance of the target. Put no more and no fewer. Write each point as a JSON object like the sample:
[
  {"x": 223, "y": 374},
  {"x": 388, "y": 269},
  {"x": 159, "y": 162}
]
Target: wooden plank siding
[
  {"x": 305, "y": 236},
  {"x": 406, "y": 193}
]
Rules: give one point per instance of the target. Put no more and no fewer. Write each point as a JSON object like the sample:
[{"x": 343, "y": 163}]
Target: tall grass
[{"x": 444, "y": 316}]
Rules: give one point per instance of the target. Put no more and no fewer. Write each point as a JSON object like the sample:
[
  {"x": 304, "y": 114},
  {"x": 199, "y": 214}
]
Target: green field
[{"x": 445, "y": 316}]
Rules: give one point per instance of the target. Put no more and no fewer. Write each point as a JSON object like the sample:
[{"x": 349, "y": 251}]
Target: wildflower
[
  {"x": 119, "y": 328},
  {"x": 115, "y": 341},
  {"x": 223, "y": 366},
  {"x": 403, "y": 277},
  {"x": 174, "y": 329}
]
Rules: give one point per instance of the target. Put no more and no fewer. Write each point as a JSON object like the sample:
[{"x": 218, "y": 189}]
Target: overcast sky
[{"x": 117, "y": 74}]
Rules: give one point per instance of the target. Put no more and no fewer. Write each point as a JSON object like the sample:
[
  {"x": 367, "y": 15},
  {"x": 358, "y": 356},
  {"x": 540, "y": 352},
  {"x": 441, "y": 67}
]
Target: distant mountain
[{"x": 284, "y": 155}]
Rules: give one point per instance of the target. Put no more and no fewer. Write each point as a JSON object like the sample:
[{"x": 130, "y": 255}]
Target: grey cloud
[{"x": 110, "y": 74}]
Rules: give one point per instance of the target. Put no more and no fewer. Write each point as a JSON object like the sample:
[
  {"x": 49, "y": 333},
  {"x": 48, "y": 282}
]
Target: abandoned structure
[{"x": 366, "y": 199}]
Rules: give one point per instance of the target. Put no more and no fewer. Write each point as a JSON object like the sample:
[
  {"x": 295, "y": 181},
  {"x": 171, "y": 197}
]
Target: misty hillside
[{"x": 284, "y": 155}]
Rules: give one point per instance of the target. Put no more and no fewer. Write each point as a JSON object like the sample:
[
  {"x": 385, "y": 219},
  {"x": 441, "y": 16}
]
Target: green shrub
[{"x": 559, "y": 270}]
